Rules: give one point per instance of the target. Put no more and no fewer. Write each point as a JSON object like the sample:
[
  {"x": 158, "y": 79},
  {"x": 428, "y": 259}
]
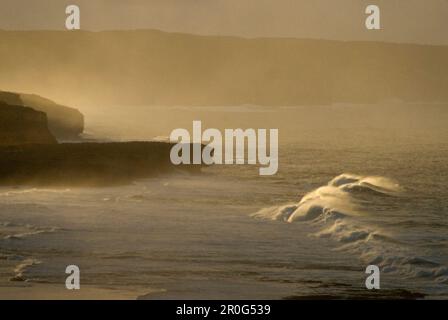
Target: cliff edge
[
  {"x": 86, "y": 164},
  {"x": 63, "y": 122}
]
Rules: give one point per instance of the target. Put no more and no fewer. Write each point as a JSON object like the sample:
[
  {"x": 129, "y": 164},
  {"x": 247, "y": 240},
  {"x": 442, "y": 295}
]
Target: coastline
[{"x": 85, "y": 164}]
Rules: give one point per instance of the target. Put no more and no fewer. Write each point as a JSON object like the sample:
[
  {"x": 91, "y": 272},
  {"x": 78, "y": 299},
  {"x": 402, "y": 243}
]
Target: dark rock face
[
  {"x": 63, "y": 122},
  {"x": 10, "y": 98},
  {"x": 22, "y": 125},
  {"x": 30, "y": 154},
  {"x": 85, "y": 164}
]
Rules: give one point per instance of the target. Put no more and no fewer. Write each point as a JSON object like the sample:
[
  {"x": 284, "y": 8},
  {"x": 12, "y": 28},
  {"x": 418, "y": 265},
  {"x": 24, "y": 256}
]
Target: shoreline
[
  {"x": 39, "y": 291},
  {"x": 86, "y": 164}
]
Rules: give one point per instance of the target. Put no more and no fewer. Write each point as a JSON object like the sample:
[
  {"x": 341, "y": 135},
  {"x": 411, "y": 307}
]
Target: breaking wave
[
  {"x": 21, "y": 269},
  {"x": 10, "y": 232},
  {"x": 14, "y": 231},
  {"x": 339, "y": 209},
  {"x": 31, "y": 191}
]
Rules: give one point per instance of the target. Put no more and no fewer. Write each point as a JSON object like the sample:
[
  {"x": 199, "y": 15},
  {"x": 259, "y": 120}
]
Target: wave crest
[{"x": 337, "y": 208}]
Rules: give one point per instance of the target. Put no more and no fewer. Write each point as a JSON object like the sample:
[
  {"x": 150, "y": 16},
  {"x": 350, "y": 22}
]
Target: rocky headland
[
  {"x": 63, "y": 122},
  {"x": 31, "y": 155}
]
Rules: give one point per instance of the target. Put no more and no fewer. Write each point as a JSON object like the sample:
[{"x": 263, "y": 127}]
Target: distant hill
[
  {"x": 63, "y": 122},
  {"x": 158, "y": 68}
]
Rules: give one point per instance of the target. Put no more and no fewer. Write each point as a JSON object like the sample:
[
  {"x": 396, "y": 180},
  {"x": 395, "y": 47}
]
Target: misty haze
[{"x": 86, "y": 178}]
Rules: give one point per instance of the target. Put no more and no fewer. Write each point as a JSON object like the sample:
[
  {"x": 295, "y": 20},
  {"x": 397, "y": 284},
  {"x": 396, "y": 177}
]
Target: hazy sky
[{"x": 420, "y": 21}]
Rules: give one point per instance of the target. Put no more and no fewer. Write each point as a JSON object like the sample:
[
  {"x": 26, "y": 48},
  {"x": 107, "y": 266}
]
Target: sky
[{"x": 412, "y": 21}]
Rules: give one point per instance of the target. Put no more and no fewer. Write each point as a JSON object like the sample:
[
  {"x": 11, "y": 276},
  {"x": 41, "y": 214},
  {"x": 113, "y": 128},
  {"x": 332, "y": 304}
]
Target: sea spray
[{"x": 337, "y": 211}]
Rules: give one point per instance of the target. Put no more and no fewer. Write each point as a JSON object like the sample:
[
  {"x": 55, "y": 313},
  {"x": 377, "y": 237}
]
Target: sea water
[{"x": 346, "y": 195}]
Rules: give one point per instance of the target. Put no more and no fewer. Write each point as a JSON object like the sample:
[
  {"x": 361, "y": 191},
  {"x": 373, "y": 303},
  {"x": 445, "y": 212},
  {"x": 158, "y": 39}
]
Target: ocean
[{"x": 352, "y": 190}]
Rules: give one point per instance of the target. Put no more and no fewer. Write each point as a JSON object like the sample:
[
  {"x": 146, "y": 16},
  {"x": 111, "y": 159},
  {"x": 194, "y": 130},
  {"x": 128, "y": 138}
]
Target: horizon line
[{"x": 229, "y": 36}]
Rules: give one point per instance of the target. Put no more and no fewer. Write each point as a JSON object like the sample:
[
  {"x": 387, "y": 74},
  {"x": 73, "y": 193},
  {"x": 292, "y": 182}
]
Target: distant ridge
[{"x": 151, "y": 67}]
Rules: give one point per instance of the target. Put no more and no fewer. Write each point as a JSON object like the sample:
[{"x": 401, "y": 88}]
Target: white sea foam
[
  {"x": 18, "y": 236},
  {"x": 335, "y": 209},
  {"x": 14, "y": 231},
  {"x": 21, "y": 269},
  {"x": 31, "y": 191}
]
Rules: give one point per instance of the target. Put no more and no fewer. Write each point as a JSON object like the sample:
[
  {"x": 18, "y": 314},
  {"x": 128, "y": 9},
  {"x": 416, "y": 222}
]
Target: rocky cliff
[
  {"x": 63, "y": 122},
  {"x": 22, "y": 125},
  {"x": 30, "y": 155}
]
